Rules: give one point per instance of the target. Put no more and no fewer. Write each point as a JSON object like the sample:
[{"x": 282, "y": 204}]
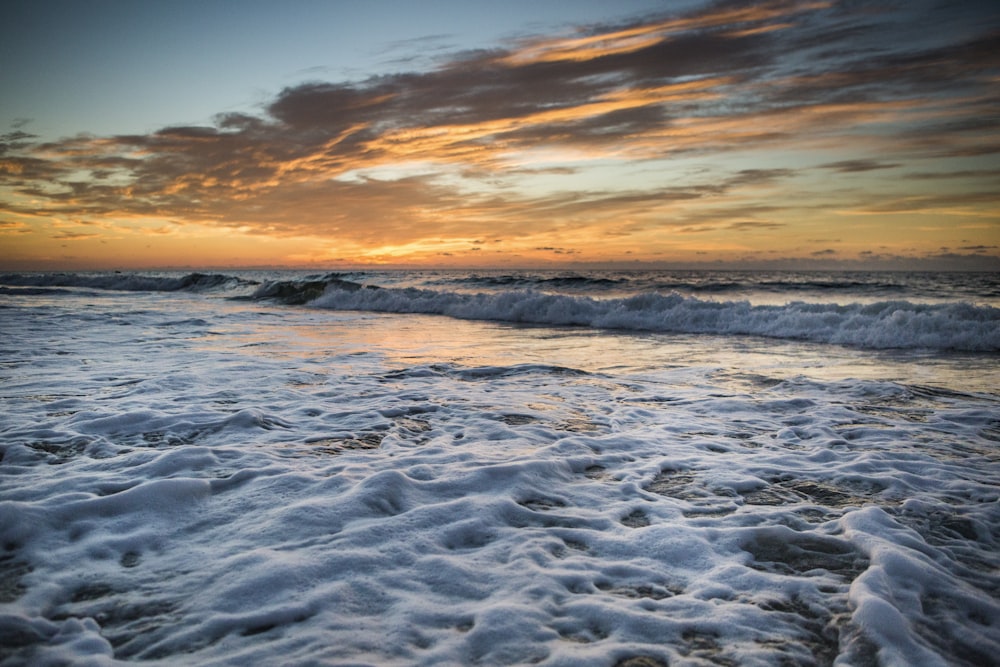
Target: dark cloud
[
  {"x": 15, "y": 140},
  {"x": 756, "y": 177},
  {"x": 330, "y": 107},
  {"x": 22, "y": 169},
  {"x": 851, "y": 166}
]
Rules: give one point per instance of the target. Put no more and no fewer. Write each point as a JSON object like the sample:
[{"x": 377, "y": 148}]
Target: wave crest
[{"x": 883, "y": 325}]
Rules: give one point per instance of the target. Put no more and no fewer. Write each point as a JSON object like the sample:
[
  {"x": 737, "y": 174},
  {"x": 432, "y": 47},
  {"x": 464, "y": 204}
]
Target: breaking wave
[
  {"x": 898, "y": 323},
  {"x": 296, "y": 292},
  {"x": 883, "y": 325}
]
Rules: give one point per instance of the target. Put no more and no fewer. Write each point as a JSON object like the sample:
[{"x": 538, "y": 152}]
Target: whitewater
[{"x": 627, "y": 469}]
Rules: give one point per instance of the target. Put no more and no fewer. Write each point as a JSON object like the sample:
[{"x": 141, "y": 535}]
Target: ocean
[{"x": 614, "y": 468}]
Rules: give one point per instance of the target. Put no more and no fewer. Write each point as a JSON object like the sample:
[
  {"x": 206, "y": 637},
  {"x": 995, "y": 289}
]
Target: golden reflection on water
[{"x": 374, "y": 342}]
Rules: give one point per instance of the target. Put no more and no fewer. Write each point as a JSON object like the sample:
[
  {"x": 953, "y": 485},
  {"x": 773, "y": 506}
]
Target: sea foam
[
  {"x": 191, "y": 479},
  {"x": 889, "y": 324}
]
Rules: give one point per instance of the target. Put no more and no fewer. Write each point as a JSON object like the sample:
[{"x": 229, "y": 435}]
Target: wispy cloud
[
  {"x": 855, "y": 166},
  {"x": 461, "y": 151}
]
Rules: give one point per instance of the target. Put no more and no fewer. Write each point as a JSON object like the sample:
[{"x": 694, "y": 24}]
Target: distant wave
[
  {"x": 719, "y": 283},
  {"x": 126, "y": 282},
  {"x": 898, "y": 323},
  {"x": 884, "y": 325},
  {"x": 692, "y": 283},
  {"x": 570, "y": 281},
  {"x": 33, "y": 291}
]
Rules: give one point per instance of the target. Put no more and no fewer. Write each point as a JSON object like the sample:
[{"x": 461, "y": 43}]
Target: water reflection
[{"x": 391, "y": 341}]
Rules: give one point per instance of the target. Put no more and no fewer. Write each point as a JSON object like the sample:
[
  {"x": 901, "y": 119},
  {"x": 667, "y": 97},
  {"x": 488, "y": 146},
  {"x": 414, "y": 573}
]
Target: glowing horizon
[{"x": 775, "y": 134}]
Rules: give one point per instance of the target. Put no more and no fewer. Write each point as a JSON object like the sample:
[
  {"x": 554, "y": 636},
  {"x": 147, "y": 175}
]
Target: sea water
[{"x": 499, "y": 468}]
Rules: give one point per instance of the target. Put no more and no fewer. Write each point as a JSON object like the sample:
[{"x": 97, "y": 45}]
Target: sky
[{"x": 451, "y": 133}]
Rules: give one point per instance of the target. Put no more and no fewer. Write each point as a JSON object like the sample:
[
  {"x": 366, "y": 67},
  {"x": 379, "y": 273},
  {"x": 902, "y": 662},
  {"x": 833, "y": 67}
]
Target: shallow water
[{"x": 188, "y": 479}]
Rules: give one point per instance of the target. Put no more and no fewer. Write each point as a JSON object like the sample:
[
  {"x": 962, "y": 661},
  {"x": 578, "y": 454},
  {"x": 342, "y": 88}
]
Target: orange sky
[{"x": 775, "y": 134}]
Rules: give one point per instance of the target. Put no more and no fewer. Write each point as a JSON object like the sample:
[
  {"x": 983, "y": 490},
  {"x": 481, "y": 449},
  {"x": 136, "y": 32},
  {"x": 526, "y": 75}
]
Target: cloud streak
[{"x": 512, "y": 140}]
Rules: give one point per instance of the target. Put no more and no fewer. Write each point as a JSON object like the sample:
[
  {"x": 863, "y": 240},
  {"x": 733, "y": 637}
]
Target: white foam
[{"x": 299, "y": 486}]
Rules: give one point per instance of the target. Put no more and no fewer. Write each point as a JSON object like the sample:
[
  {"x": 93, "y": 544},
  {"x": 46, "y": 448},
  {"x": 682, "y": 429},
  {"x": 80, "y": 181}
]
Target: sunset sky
[{"x": 504, "y": 134}]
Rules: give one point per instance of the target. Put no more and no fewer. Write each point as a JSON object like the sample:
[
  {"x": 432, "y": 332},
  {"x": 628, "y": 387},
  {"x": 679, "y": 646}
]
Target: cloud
[
  {"x": 746, "y": 225},
  {"x": 16, "y": 140},
  {"x": 965, "y": 174},
  {"x": 558, "y": 251},
  {"x": 977, "y": 203},
  {"x": 74, "y": 235},
  {"x": 458, "y": 151},
  {"x": 851, "y": 166}
]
